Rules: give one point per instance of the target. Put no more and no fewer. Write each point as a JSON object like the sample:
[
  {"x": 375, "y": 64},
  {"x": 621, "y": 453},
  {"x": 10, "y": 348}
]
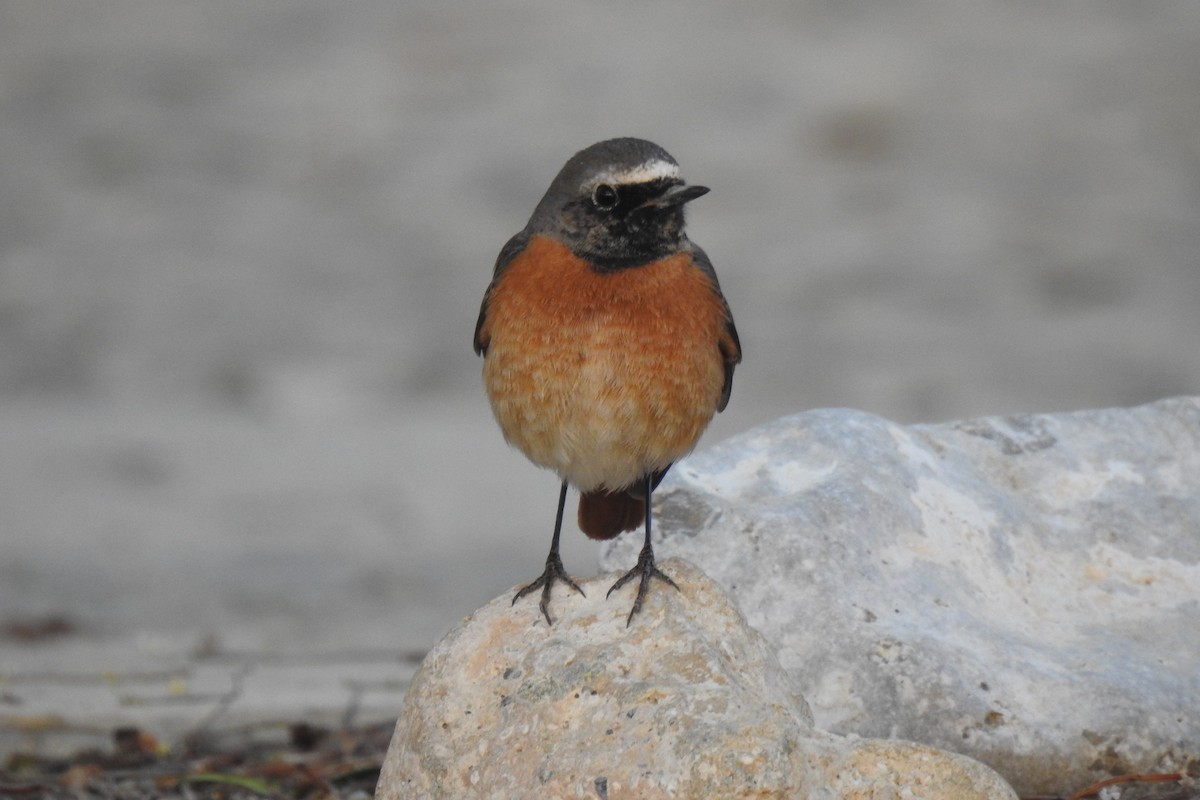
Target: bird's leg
[
  {"x": 554, "y": 567},
  {"x": 645, "y": 569}
]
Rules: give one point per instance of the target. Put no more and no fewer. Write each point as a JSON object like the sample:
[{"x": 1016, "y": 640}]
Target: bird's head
[{"x": 618, "y": 204}]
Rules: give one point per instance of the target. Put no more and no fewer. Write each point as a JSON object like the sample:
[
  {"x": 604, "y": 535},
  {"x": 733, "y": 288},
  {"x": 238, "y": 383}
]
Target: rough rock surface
[
  {"x": 687, "y": 702},
  {"x": 1022, "y": 590}
]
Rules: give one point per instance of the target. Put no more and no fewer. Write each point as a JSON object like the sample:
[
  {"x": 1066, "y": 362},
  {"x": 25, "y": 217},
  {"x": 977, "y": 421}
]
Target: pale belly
[{"x": 600, "y": 405}]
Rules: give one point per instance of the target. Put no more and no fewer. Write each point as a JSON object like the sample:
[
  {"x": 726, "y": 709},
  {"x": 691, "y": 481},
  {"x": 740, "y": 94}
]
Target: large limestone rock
[
  {"x": 1023, "y": 590},
  {"x": 687, "y": 702}
]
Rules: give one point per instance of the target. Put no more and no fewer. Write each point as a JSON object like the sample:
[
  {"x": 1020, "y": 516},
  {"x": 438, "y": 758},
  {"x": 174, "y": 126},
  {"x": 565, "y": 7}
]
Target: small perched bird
[{"x": 607, "y": 343}]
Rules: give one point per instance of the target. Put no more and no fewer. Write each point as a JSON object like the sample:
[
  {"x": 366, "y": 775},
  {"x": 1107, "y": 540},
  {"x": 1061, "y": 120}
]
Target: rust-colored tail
[{"x": 603, "y": 515}]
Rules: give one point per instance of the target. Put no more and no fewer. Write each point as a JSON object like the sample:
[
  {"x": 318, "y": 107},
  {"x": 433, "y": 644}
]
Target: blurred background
[{"x": 243, "y": 245}]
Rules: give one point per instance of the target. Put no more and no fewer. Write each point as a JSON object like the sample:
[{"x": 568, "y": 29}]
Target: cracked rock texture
[
  {"x": 1024, "y": 590},
  {"x": 687, "y": 702}
]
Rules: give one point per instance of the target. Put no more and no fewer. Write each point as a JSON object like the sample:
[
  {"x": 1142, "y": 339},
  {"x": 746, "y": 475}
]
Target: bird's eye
[{"x": 605, "y": 197}]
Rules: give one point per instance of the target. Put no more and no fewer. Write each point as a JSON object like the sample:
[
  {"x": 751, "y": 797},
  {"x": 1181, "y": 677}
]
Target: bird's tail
[{"x": 604, "y": 514}]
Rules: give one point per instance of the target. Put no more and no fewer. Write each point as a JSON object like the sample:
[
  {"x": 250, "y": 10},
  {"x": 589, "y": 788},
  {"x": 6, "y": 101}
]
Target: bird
[{"x": 607, "y": 344}]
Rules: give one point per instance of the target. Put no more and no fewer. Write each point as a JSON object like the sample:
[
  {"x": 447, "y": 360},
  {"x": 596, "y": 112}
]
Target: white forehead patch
[{"x": 654, "y": 170}]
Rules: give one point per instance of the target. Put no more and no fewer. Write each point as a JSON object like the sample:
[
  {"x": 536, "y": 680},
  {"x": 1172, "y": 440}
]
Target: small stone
[{"x": 687, "y": 702}]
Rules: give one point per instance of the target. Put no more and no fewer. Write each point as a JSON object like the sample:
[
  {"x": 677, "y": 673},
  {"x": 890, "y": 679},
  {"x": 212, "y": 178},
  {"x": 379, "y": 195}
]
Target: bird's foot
[
  {"x": 554, "y": 572},
  {"x": 645, "y": 571}
]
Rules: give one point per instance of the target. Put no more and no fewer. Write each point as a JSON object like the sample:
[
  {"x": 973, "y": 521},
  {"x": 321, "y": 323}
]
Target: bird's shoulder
[{"x": 512, "y": 248}]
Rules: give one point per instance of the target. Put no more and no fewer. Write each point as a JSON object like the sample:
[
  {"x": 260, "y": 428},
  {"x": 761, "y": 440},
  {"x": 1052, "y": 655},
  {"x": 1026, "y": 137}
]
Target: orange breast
[{"x": 603, "y": 377}]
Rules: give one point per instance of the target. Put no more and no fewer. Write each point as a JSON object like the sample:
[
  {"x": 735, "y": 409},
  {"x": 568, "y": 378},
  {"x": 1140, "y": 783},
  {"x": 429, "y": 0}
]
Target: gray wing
[
  {"x": 512, "y": 248},
  {"x": 730, "y": 345}
]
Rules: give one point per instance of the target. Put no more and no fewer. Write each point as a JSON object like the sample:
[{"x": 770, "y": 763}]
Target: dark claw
[
  {"x": 645, "y": 570},
  {"x": 554, "y": 572}
]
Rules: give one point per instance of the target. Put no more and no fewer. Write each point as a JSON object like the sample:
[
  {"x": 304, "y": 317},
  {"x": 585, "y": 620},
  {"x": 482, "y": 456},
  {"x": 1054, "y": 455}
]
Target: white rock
[
  {"x": 1023, "y": 590},
  {"x": 687, "y": 702}
]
